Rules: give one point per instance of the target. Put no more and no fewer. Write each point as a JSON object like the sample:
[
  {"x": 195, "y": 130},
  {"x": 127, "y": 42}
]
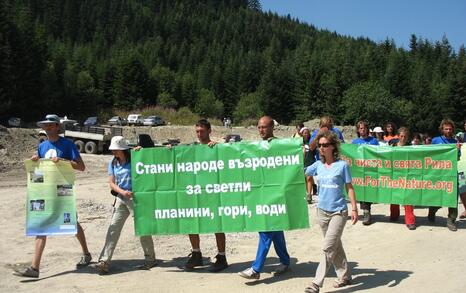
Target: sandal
[
  {"x": 313, "y": 288},
  {"x": 85, "y": 261},
  {"x": 342, "y": 283}
]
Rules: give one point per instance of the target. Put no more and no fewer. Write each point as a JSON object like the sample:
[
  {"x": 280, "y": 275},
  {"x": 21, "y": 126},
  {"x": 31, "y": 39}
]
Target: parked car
[
  {"x": 154, "y": 121},
  {"x": 91, "y": 121},
  {"x": 116, "y": 120},
  {"x": 232, "y": 138},
  {"x": 135, "y": 119},
  {"x": 14, "y": 122}
]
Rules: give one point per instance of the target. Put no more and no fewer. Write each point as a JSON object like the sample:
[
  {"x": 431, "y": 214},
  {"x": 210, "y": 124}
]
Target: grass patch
[{"x": 182, "y": 116}]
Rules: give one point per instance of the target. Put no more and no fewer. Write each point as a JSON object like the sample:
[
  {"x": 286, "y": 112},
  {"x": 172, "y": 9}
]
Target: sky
[{"x": 381, "y": 19}]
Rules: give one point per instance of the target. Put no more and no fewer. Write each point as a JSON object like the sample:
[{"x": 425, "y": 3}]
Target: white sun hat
[
  {"x": 118, "y": 143},
  {"x": 378, "y": 129}
]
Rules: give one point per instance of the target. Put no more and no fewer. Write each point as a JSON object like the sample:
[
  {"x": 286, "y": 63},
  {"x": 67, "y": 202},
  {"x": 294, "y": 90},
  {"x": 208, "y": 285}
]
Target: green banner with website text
[
  {"x": 410, "y": 175},
  {"x": 233, "y": 187}
]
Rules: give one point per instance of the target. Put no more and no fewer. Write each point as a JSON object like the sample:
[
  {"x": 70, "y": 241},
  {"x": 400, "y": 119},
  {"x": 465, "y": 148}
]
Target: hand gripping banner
[{"x": 234, "y": 187}]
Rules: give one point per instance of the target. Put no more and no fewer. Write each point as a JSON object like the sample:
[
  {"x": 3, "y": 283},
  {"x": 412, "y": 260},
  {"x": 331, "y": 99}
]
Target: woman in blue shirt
[
  {"x": 119, "y": 170},
  {"x": 332, "y": 212}
]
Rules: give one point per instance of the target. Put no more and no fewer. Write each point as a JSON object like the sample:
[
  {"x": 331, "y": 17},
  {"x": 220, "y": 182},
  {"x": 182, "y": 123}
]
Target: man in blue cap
[{"x": 56, "y": 148}]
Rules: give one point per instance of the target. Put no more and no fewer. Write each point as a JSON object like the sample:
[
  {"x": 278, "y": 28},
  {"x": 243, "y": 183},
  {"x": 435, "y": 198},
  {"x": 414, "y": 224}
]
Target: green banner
[
  {"x": 51, "y": 201},
  {"x": 234, "y": 187},
  {"x": 411, "y": 175}
]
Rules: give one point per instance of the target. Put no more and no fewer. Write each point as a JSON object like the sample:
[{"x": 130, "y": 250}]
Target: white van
[{"x": 135, "y": 119}]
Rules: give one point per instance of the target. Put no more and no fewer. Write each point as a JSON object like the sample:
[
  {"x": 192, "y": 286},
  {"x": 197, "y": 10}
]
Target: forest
[{"x": 216, "y": 58}]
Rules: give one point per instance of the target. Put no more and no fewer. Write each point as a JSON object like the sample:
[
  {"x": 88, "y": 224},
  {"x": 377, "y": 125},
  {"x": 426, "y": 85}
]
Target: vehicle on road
[
  {"x": 135, "y": 119},
  {"x": 91, "y": 121},
  {"x": 14, "y": 122},
  {"x": 91, "y": 139},
  {"x": 116, "y": 120},
  {"x": 154, "y": 121},
  {"x": 232, "y": 138}
]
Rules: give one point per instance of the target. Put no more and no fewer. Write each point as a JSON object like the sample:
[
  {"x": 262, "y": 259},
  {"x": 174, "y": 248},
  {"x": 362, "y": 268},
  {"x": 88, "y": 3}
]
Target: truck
[{"x": 91, "y": 139}]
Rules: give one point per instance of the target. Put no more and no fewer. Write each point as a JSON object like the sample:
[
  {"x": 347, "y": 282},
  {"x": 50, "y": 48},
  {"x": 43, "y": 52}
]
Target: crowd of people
[
  {"x": 390, "y": 135},
  {"x": 326, "y": 175}
]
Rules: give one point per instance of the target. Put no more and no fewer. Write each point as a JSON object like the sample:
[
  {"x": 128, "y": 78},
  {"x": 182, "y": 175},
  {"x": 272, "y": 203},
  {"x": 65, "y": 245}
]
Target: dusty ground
[{"x": 384, "y": 257}]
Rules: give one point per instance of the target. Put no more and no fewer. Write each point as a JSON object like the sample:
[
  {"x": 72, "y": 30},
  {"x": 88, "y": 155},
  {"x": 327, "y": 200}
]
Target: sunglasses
[{"x": 324, "y": 145}]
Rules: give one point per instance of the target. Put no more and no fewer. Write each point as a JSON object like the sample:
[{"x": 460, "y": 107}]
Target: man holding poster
[
  {"x": 266, "y": 239},
  {"x": 56, "y": 148}
]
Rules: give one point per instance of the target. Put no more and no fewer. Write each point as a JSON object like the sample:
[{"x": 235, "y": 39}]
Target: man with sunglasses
[{"x": 56, "y": 148}]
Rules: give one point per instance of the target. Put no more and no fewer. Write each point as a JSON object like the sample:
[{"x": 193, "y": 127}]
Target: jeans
[{"x": 279, "y": 243}]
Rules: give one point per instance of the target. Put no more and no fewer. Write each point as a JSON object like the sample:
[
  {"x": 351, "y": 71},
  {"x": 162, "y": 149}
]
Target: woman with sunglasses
[{"x": 332, "y": 211}]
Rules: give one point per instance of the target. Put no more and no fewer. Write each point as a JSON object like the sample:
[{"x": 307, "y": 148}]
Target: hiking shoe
[
  {"x": 431, "y": 216},
  {"x": 451, "y": 225},
  {"x": 195, "y": 260},
  {"x": 367, "y": 219},
  {"x": 219, "y": 264},
  {"x": 281, "y": 269},
  {"x": 411, "y": 226},
  {"x": 85, "y": 261},
  {"x": 309, "y": 198},
  {"x": 312, "y": 288},
  {"x": 250, "y": 274},
  {"x": 147, "y": 265},
  {"x": 102, "y": 267},
  {"x": 28, "y": 272}
]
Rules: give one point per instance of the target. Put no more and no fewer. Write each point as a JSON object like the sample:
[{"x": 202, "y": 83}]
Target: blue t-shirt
[
  {"x": 368, "y": 140},
  {"x": 314, "y": 134},
  {"x": 331, "y": 182},
  {"x": 443, "y": 140},
  {"x": 62, "y": 148},
  {"x": 122, "y": 174}
]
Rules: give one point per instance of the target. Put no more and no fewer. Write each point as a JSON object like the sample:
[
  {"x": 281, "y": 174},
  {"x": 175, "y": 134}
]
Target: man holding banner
[
  {"x": 362, "y": 129},
  {"x": 265, "y": 127},
  {"x": 56, "y": 148},
  {"x": 447, "y": 128},
  {"x": 203, "y": 130}
]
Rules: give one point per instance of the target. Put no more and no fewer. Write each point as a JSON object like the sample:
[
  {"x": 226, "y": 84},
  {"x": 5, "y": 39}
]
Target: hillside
[{"x": 217, "y": 58}]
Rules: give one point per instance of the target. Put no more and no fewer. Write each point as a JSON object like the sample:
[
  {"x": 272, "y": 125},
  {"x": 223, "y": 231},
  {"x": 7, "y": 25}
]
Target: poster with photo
[{"x": 51, "y": 201}]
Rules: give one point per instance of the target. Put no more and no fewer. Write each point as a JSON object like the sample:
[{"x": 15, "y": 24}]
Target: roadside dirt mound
[{"x": 16, "y": 145}]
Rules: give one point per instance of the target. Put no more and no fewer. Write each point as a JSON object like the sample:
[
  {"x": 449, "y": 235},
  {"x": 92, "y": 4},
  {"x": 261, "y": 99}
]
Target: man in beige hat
[{"x": 56, "y": 148}]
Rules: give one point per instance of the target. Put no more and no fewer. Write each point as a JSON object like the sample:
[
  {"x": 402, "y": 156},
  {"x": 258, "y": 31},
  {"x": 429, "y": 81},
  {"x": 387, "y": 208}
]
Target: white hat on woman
[
  {"x": 378, "y": 129},
  {"x": 118, "y": 143}
]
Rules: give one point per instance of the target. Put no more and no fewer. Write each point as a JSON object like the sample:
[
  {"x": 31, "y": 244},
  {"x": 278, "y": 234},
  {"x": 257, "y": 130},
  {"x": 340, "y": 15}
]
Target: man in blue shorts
[{"x": 56, "y": 148}]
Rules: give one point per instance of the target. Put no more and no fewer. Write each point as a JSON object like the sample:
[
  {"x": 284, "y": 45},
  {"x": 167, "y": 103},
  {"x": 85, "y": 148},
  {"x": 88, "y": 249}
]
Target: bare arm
[
  {"x": 313, "y": 144},
  {"x": 352, "y": 198},
  {"x": 78, "y": 164},
  {"x": 115, "y": 187}
]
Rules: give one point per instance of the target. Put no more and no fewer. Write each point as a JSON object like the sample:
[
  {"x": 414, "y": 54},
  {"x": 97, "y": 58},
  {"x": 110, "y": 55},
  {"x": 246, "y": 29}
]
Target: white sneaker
[
  {"x": 250, "y": 274},
  {"x": 281, "y": 269}
]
